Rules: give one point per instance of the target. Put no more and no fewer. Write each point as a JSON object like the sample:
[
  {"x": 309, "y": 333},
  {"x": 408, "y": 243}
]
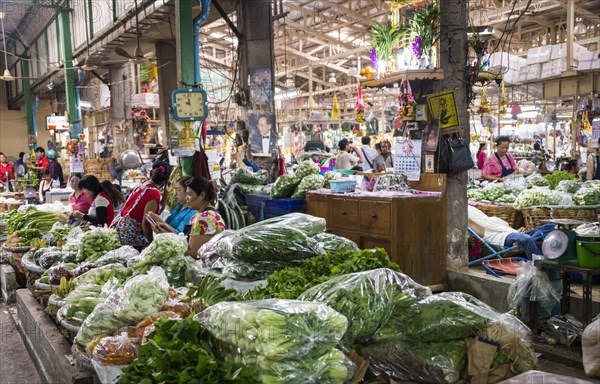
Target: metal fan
[
  {"x": 138, "y": 55},
  {"x": 7, "y": 76},
  {"x": 489, "y": 121}
]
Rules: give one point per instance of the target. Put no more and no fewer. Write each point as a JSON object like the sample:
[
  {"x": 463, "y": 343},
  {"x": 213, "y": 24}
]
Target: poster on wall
[
  {"x": 184, "y": 137},
  {"x": 431, "y": 134},
  {"x": 407, "y": 158},
  {"x": 263, "y": 137},
  {"x": 261, "y": 86},
  {"x": 443, "y": 108}
]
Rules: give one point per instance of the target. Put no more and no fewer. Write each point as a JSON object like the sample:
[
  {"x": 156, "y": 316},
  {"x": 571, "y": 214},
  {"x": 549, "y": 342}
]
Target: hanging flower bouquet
[
  {"x": 426, "y": 27},
  {"x": 385, "y": 40},
  {"x": 360, "y": 108}
]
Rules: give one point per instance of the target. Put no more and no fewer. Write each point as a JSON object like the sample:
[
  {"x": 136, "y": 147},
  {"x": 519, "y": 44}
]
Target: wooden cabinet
[{"x": 412, "y": 229}]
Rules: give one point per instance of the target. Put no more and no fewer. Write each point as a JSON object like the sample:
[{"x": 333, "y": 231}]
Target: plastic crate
[
  {"x": 264, "y": 207},
  {"x": 342, "y": 186}
]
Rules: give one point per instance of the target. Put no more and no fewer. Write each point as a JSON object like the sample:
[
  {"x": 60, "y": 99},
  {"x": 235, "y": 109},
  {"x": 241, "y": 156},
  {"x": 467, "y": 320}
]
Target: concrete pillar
[
  {"x": 120, "y": 98},
  {"x": 453, "y": 59},
  {"x": 166, "y": 53}
]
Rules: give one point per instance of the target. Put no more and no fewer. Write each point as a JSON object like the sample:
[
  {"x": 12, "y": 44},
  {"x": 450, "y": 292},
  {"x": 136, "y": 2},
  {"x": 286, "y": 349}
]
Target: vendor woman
[
  {"x": 201, "y": 196},
  {"x": 80, "y": 202},
  {"x": 105, "y": 198},
  {"x": 180, "y": 216},
  {"x": 501, "y": 164}
]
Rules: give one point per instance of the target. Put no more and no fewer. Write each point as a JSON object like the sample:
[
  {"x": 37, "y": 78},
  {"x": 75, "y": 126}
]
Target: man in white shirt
[
  {"x": 348, "y": 156},
  {"x": 368, "y": 154},
  {"x": 497, "y": 232}
]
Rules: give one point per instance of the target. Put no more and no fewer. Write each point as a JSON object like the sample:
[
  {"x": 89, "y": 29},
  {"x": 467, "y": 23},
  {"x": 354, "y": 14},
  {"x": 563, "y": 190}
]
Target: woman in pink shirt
[
  {"x": 481, "y": 155},
  {"x": 79, "y": 201},
  {"x": 501, "y": 164}
]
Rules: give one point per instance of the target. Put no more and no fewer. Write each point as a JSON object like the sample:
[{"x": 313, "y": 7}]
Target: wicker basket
[
  {"x": 2, "y": 207},
  {"x": 534, "y": 216},
  {"x": 99, "y": 168},
  {"x": 507, "y": 212}
]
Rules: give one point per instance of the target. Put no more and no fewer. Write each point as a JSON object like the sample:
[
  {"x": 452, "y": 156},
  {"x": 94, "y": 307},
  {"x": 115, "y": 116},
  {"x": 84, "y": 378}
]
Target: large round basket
[
  {"x": 71, "y": 329},
  {"x": 14, "y": 259},
  {"x": 55, "y": 303},
  {"x": 30, "y": 265},
  {"x": 506, "y": 212},
  {"x": 12, "y": 207},
  {"x": 534, "y": 216}
]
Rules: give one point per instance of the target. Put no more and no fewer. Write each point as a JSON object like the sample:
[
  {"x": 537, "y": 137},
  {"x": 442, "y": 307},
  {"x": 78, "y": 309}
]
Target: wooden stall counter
[{"x": 411, "y": 227}]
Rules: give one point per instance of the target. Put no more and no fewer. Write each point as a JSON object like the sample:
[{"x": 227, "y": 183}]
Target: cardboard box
[
  {"x": 546, "y": 70},
  {"x": 502, "y": 61},
  {"x": 596, "y": 61},
  {"x": 559, "y": 51},
  {"x": 560, "y": 65},
  {"x": 544, "y": 53},
  {"x": 523, "y": 74},
  {"x": 534, "y": 72},
  {"x": 146, "y": 100},
  {"x": 533, "y": 56},
  {"x": 511, "y": 76}
]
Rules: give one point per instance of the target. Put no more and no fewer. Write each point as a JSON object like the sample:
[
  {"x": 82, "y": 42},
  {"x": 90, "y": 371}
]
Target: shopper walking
[
  {"x": 501, "y": 164},
  {"x": 105, "y": 198},
  {"x": 133, "y": 227}
]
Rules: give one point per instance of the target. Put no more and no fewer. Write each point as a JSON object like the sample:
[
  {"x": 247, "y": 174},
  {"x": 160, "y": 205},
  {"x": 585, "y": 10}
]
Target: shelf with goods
[{"x": 407, "y": 74}]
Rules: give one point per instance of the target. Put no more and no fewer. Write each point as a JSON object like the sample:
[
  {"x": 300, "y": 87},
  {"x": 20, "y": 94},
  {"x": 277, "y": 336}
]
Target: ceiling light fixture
[
  {"x": 7, "y": 76},
  {"x": 580, "y": 28},
  {"x": 289, "y": 82},
  {"x": 332, "y": 79}
]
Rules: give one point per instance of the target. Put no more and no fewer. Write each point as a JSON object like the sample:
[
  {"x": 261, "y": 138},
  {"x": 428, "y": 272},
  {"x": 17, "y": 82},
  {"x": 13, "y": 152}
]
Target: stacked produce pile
[
  {"x": 305, "y": 179},
  {"x": 555, "y": 189}
]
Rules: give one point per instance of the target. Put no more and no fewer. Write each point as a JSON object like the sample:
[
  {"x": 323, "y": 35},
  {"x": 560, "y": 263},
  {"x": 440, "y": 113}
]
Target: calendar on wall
[{"x": 407, "y": 158}]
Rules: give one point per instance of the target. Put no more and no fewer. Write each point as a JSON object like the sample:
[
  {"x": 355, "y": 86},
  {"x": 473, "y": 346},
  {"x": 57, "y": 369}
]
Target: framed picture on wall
[{"x": 421, "y": 112}]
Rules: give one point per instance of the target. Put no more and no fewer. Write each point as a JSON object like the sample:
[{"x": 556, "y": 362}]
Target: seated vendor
[
  {"x": 501, "y": 164},
  {"x": 497, "y": 232},
  {"x": 180, "y": 216}
]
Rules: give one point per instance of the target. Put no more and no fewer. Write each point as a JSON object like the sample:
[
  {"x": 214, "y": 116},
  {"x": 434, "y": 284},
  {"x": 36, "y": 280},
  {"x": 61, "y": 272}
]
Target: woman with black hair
[
  {"x": 501, "y": 164},
  {"x": 133, "y": 227},
  {"x": 481, "y": 155},
  {"x": 105, "y": 198},
  {"x": 201, "y": 196}
]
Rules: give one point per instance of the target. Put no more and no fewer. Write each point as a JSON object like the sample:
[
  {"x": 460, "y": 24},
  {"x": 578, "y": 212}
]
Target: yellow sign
[{"x": 443, "y": 108}]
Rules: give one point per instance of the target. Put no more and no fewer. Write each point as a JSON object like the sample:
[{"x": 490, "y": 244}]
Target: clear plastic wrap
[
  {"x": 96, "y": 242},
  {"x": 536, "y": 180},
  {"x": 177, "y": 270},
  {"x": 587, "y": 196},
  {"x": 269, "y": 242},
  {"x": 60, "y": 270},
  {"x": 588, "y": 229},
  {"x": 410, "y": 360},
  {"x": 108, "y": 374},
  {"x": 102, "y": 321},
  {"x": 515, "y": 183},
  {"x": 590, "y": 346},
  {"x": 334, "y": 243},
  {"x": 284, "y": 187},
  {"x": 532, "y": 284},
  {"x": 248, "y": 271},
  {"x": 309, "y": 183},
  {"x": 526, "y": 167},
  {"x": 306, "y": 168},
  {"x": 47, "y": 257},
  {"x": 145, "y": 327},
  {"x": 119, "y": 255},
  {"x": 246, "y": 175},
  {"x": 82, "y": 301},
  {"x": 310, "y": 225},
  {"x": 331, "y": 368},
  {"x": 103, "y": 274},
  {"x": 163, "y": 247},
  {"x": 275, "y": 329},
  {"x": 565, "y": 328},
  {"x": 83, "y": 268},
  {"x": 531, "y": 198},
  {"x": 142, "y": 296},
  {"x": 116, "y": 350},
  {"x": 367, "y": 299},
  {"x": 560, "y": 198},
  {"x": 568, "y": 186}
]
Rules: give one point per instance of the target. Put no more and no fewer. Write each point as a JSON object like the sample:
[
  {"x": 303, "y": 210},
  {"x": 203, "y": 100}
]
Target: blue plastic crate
[
  {"x": 342, "y": 186},
  {"x": 264, "y": 207}
]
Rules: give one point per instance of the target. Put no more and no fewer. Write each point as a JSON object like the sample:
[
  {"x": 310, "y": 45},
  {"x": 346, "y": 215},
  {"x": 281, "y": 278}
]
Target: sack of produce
[
  {"x": 515, "y": 183},
  {"x": 532, "y": 198},
  {"x": 284, "y": 186},
  {"x": 560, "y": 198},
  {"x": 177, "y": 270},
  {"x": 119, "y": 255},
  {"x": 269, "y": 243},
  {"x": 246, "y": 175},
  {"x": 142, "y": 296},
  {"x": 310, "y": 225},
  {"x": 163, "y": 247},
  {"x": 103, "y": 274},
  {"x": 331, "y": 368},
  {"x": 333, "y": 243},
  {"x": 47, "y": 257},
  {"x": 307, "y": 167},
  {"x": 329, "y": 176},
  {"x": 526, "y": 167},
  {"x": 366, "y": 299},
  {"x": 116, "y": 350},
  {"x": 96, "y": 242},
  {"x": 415, "y": 361},
  {"x": 275, "y": 329},
  {"x": 102, "y": 321},
  {"x": 82, "y": 301},
  {"x": 536, "y": 180},
  {"x": 590, "y": 346},
  {"x": 587, "y": 196},
  {"x": 309, "y": 183},
  {"x": 56, "y": 272},
  {"x": 568, "y": 186}
]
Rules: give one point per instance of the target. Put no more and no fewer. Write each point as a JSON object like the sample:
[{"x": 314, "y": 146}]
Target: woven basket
[
  {"x": 533, "y": 216},
  {"x": 2, "y": 207},
  {"x": 507, "y": 212},
  {"x": 12, "y": 207}
]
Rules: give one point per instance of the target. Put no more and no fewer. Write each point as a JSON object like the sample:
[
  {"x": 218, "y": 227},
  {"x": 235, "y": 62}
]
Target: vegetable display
[
  {"x": 536, "y": 180},
  {"x": 163, "y": 247},
  {"x": 22, "y": 238},
  {"x": 209, "y": 292},
  {"x": 142, "y": 296},
  {"x": 180, "y": 351},
  {"x": 176, "y": 269},
  {"x": 284, "y": 186},
  {"x": 96, "y": 243},
  {"x": 245, "y": 175},
  {"x": 309, "y": 183},
  {"x": 82, "y": 301},
  {"x": 494, "y": 193},
  {"x": 103, "y": 274},
  {"x": 31, "y": 218},
  {"x": 555, "y": 178},
  {"x": 532, "y": 197},
  {"x": 119, "y": 255},
  {"x": 306, "y": 168},
  {"x": 568, "y": 186},
  {"x": 366, "y": 299},
  {"x": 586, "y": 196},
  {"x": 334, "y": 243}
]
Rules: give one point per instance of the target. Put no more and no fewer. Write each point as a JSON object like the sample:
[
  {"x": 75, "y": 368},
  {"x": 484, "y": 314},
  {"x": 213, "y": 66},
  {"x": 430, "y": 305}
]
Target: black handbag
[{"x": 454, "y": 155}]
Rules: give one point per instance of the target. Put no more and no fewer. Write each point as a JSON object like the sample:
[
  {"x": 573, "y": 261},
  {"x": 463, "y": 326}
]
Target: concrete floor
[{"x": 16, "y": 366}]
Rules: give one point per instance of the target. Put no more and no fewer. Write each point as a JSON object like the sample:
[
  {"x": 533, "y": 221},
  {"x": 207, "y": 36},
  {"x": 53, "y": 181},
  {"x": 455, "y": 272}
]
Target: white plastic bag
[
  {"x": 588, "y": 229},
  {"x": 590, "y": 346}
]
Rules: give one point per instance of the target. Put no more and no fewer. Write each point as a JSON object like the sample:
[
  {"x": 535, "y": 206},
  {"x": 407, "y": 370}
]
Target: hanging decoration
[
  {"x": 502, "y": 99},
  {"x": 484, "y": 103},
  {"x": 406, "y": 101},
  {"x": 335, "y": 109},
  {"x": 426, "y": 28},
  {"x": 360, "y": 108}
]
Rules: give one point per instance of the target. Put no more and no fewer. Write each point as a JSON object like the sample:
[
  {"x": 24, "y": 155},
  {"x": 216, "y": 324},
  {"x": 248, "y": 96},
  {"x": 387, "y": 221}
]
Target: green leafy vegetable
[
  {"x": 334, "y": 243},
  {"x": 96, "y": 243},
  {"x": 536, "y": 180},
  {"x": 309, "y": 183},
  {"x": 587, "y": 196},
  {"x": 210, "y": 292},
  {"x": 531, "y": 198},
  {"x": 555, "y": 178}
]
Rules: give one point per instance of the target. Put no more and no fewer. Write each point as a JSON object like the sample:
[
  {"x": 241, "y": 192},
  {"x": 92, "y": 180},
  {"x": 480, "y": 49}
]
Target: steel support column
[
  {"x": 184, "y": 39},
  {"x": 67, "y": 55},
  {"x": 27, "y": 97}
]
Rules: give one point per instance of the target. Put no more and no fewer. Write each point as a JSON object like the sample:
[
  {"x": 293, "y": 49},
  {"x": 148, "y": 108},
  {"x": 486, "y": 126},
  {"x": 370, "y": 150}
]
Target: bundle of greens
[
  {"x": 31, "y": 218},
  {"x": 284, "y": 186},
  {"x": 210, "y": 292},
  {"x": 275, "y": 329},
  {"x": 142, "y": 296},
  {"x": 290, "y": 283},
  {"x": 23, "y": 238},
  {"x": 587, "y": 196},
  {"x": 246, "y": 175},
  {"x": 180, "y": 351},
  {"x": 366, "y": 299},
  {"x": 309, "y": 183},
  {"x": 333, "y": 243},
  {"x": 96, "y": 243},
  {"x": 555, "y": 178},
  {"x": 163, "y": 247}
]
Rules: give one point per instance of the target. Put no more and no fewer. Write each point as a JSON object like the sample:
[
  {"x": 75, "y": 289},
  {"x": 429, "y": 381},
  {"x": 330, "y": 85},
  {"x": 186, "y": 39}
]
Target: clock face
[{"x": 190, "y": 105}]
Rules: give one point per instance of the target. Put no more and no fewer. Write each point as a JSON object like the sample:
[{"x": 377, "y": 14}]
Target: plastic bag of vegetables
[
  {"x": 102, "y": 321},
  {"x": 246, "y": 175},
  {"x": 177, "y": 270},
  {"x": 536, "y": 180},
  {"x": 163, "y": 247},
  {"x": 310, "y": 225},
  {"x": 276, "y": 329},
  {"x": 103, "y": 274},
  {"x": 328, "y": 176},
  {"x": 96, "y": 243},
  {"x": 142, "y": 296},
  {"x": 333, "y": 243},
  {"x": 515, "y": 183},
  {"x": 414, "y": 361},
  {"x": 568, "y": 186},
  {"x": 560, "y": 198},
  {"x": 309, "y": 183},
  {"x": 331, "y": 368},
  {"x": 366, "y": 299},
  {"x": 586, "y": 196},
  {"x": 119, "y": 255},
  {"x": 526, "y": 167},
  {"x": 307, "y": 167},
  {"x": 532, "y": 198},
  {"x": 82, "y": 301},
  {"x": 284, "y": 186},
  {"x": 47, "y": 257}
]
